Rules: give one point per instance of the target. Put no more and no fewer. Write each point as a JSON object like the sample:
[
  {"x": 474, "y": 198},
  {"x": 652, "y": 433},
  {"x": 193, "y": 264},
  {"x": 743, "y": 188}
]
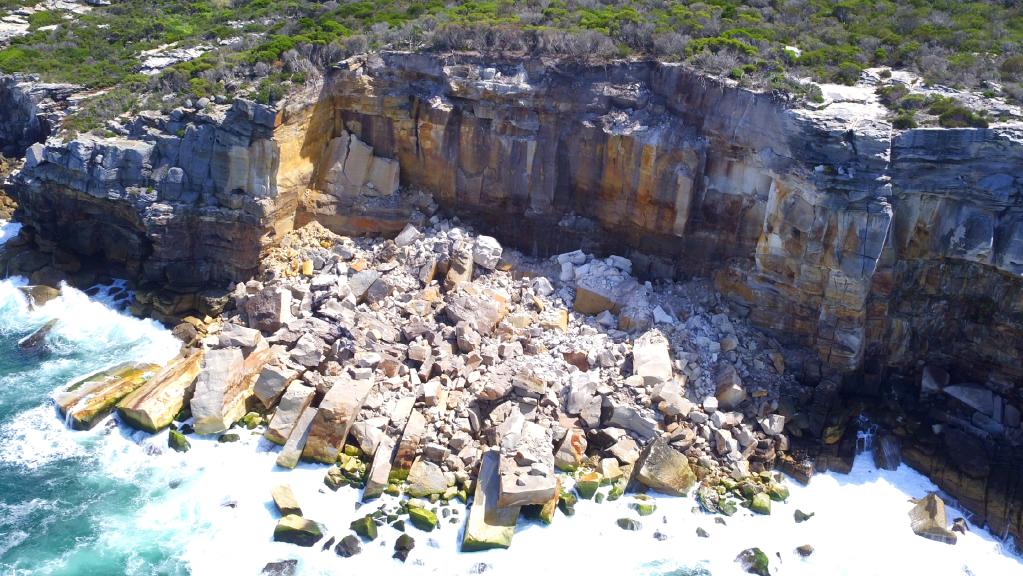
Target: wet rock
[
  {"x": 702, "y": 533},
  {"x": 37, "y": 340},
  {"x": 365, "y": 527},
  {"x": 348, "y": 546},
  {"x": 754, "y": 561},
  {"x": 422, "y": 518},
  {"x": 285, "y": 500},
  {"x": 801, "y": 516},
  {"x": 664, "y": 469},
  {"x": 489, "y": 526},
  {"x": 177, "y": 441},
  {"x": 84, "y": 402},
  {"x": 153, "y": 405},
  {"x": 629, "y": 524},
  {"x": 927, "y": 519},
  {"x": 887, "y": 452},
  {"x": 297, "y": 530},
  {"x": 804, "y": 550},
  {"x": 282, "y": 568},
  {"x": 403, "y": 546},
  {"x": 761, "y": 503}
]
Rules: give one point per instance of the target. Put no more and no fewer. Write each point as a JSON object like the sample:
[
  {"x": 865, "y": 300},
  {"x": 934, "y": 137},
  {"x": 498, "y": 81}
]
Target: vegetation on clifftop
[{"x": 259, "y": 47}]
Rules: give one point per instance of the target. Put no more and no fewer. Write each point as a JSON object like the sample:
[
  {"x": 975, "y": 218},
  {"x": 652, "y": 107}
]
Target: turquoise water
[{"x": 61, "y": 500}]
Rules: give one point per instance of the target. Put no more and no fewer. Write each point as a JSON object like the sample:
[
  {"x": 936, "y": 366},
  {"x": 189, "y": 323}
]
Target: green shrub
[
  {"x": 961, "y": 117},
  {"x": 904, "y": 121}
]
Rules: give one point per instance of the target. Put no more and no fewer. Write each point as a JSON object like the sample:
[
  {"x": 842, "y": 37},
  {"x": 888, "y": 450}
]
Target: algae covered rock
[
  {"x": 295, "y": 529},
  {"x": 365, "y": 527},
  {"x": 629, "y": 524},
  {"x": 402, "y": 546},
  {"x": 753, "y": 561},
  {"x": 177, "y": 441},
  {"x": 586, "y": 485},
  {"x": 423, "y": 519},
  {"x": 761, "y": 503},
  {"x": 665, "y": 469}
]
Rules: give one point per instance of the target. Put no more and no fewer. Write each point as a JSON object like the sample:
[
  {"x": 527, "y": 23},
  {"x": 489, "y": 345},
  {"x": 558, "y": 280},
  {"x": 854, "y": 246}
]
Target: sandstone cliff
[{"x": 881, "y": 250}]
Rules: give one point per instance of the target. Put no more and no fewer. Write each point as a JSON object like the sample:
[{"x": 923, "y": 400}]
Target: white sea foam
[
  {"x": 8, "y": 230},
  {"x": 221, "y": 517}
]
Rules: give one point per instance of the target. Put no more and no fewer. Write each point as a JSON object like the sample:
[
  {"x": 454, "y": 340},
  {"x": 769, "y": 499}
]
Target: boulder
[
  {"x": 285, "y": 500},
  {"x": 402, "y": 546},
  {"x": 633, "y": 420},
  {"x": 887, "y": 452},
  {"x": 486, "y": 253},
  {"x": 666, "y": 470},
  {"x": 651, "y": 359},
  {"x": 409, "y": 445},
  {"x": 282, "y": 568},
  {"x": 730, "y": 392},
  {"x": 154, "y": 405},
  {"x": 176, "y": 441},
  {"x": 86, "y": 401},
  {"x": 489, "y": 526},
  {"x": 268, "y": 309},
  {"x": 426, "y": 478},
  {"x": 976, "y": 397},
  {"x": 572, "y": 451},
  {"x": 365, "y": 527},
  {"x": 293, "y": 403},
  {"x": 36, "y": 340},
  {"x": 754, "y": 561},
  {"x": 761, "y": 503},
  {"x": 348, "y": 546},
  {"x": 927, "y": 519},
  {"x": 422, "y": 518},
  {"x": 336, "y": 414},
  {"x": 297, "y": 530}
]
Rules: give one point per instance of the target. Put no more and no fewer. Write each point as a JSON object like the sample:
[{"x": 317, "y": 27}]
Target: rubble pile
[{"x": 421, "y": 364}]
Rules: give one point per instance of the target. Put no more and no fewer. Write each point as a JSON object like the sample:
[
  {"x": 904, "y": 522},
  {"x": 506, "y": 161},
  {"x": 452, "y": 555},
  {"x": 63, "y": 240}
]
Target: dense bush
[{"x": 959, "y": 43}]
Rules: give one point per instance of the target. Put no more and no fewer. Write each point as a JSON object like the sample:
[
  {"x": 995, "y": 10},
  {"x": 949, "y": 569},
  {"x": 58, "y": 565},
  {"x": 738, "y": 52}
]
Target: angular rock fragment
[
  {"x": 297, "y": 530},
  {"x": 285, "y": 500},
  {"x": 380, "y": 470},
  {"x": 650, "y": 357},
  {"x": 223, "y": 386},
  {"x": 271, "y": 383}
]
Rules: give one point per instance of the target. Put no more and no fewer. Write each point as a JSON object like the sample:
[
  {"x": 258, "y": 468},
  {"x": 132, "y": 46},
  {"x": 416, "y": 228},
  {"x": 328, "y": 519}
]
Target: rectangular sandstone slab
[
  {"x": 338, "y": 411},
  {"x": 489, "y": 526},
  {"x": 89, "y": 399},
  {"x": 153, "y": 406},
  {"x": 295, "y": 400},
  {"x": 225, "y": 383},
  {"x": 292, "y": 450},
  {"x": 409, "y": 445},
  {"x": 380, "y": 470}
]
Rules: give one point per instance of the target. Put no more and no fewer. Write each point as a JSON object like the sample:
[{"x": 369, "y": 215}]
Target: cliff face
[
  {"x": 29, "y": 111},
  {"x": 883, "y": 251}
]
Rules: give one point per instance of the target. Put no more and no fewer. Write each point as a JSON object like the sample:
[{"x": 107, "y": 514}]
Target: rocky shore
[{"x": 309, "y": 257}]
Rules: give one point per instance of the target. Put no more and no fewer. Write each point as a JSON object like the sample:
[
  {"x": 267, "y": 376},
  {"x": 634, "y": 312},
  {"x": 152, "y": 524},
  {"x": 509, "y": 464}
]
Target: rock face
[
  {"x": 30, "y": 110},
  {"x": 153, "y": 406}
]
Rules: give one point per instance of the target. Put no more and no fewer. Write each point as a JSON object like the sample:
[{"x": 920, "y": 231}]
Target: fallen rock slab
[
  {"x": 336, "y": 414},
  {"x": 285, "y": 500},
  {"x": 292, "y": 451},
  {"x": 380, "y": 470},
  {"x": 489, "y": 526},
  {"x": 928, "y": 519},
  {"x": 153, "y": 406},
  {"x": 86, "y": 401},
  {"x": 293, "y": 403}
]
